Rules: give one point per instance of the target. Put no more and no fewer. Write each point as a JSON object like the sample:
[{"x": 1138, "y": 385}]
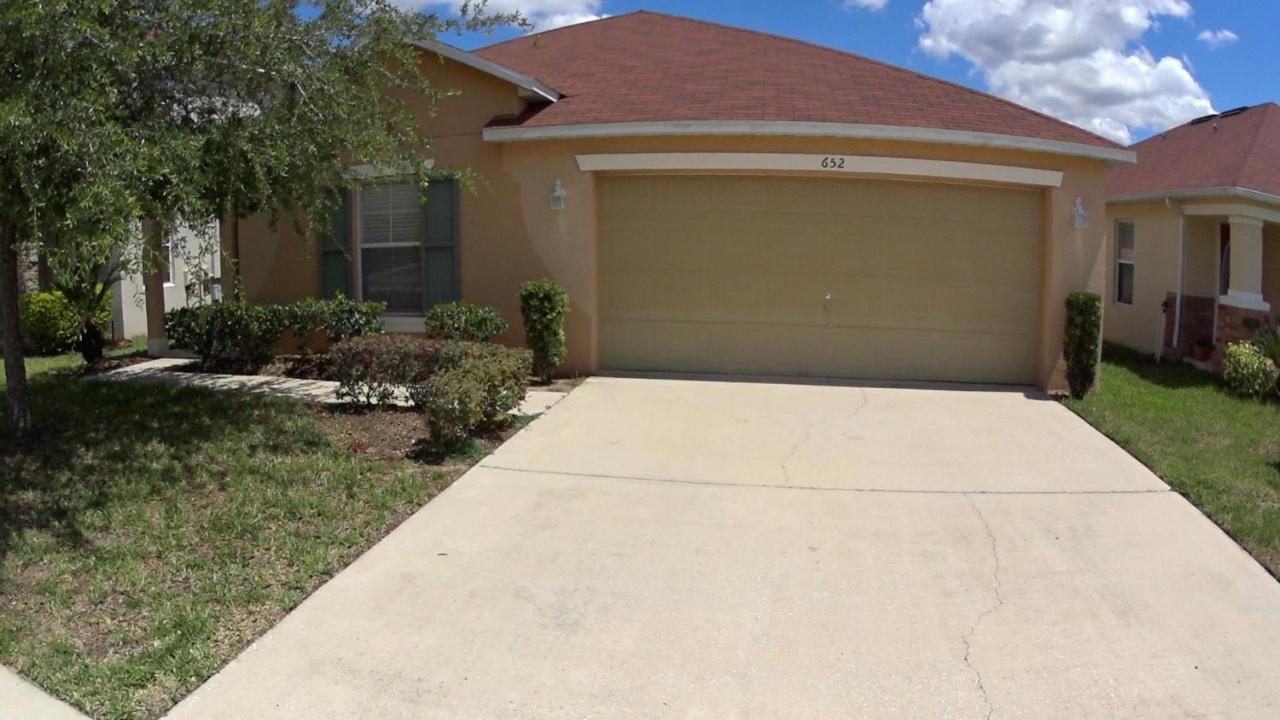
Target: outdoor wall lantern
[
  {"x": 559, "y": 198},
  {"x": 1081, "y": 215}
]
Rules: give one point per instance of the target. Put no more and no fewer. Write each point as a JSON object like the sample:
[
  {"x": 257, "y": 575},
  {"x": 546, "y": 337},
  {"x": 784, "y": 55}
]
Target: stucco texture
[{"x": 510, "y": 234}]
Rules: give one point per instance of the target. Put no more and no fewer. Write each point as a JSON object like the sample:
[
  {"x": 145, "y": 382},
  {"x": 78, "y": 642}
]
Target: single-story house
[
  {"x": 719, "y": 200},
  {"x": 1197, "y": 228}
]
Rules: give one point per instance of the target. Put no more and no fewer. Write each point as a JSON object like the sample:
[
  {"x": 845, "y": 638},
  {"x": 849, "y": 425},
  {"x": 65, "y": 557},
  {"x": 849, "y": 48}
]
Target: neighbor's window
[
  {"x": 391, "y": 234},
  {"x": 1124, "y": 262}
]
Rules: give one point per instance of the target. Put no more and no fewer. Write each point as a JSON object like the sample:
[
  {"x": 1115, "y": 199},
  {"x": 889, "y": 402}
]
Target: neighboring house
[
  {"x": 190, "y": 265},
  {"x": 1197, "y": 225},
  {"x": 722, "y": 200}
]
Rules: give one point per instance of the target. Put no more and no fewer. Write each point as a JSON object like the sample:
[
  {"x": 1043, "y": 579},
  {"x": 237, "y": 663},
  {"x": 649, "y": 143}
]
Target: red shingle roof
[
  {"x": 1239, "y": 150},
  {"x": 648, "y": 67}
]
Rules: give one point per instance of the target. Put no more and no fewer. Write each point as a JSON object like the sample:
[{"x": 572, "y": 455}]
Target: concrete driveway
[{"x": 681, "y": 549}]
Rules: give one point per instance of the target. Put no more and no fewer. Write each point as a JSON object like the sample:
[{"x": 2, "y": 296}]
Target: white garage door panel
[{"x": 729, "y": 274}]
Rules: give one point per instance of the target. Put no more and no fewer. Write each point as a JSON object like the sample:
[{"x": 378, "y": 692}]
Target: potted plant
[{"x": 1202, "y": 350}]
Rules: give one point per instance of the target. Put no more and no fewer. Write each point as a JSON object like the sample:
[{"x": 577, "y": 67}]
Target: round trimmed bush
[
  {"x": 1248, "y": 370},
  {"x": 49, "y": 324},
  {"x": 464, "y": 321}
]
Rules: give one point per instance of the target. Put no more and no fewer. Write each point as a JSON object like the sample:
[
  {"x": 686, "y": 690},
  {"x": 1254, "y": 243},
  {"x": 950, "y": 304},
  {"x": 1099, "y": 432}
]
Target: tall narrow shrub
[
  {"x": 544, "y": 305},
  {"x": 1082, "y": 342}
]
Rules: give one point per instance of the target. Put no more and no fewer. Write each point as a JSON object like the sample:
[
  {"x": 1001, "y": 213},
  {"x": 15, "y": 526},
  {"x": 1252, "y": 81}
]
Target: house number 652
[{"x": 833, "y": 163}]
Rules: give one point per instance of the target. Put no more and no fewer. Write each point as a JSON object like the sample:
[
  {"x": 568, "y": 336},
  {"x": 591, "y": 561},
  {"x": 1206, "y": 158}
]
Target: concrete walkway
[
  {"x": 165, "y": 370},
  {"x": 671, "y": 549},
  {"x": 20, "y": 700}
]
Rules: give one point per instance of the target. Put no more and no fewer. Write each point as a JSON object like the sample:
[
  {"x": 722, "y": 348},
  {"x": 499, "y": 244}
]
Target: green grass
[
  {"x": 39, "y": 365},
  {"x": 149, "y": 533},
  {"x": 1220, "y": 451}
]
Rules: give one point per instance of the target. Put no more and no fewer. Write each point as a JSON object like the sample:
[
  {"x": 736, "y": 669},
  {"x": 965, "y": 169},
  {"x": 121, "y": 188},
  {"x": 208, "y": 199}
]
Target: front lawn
[
  {"x": 151, "y": 532},
  {"x": 1220, "y": 451},
  {"x": 41, "y": 364}
]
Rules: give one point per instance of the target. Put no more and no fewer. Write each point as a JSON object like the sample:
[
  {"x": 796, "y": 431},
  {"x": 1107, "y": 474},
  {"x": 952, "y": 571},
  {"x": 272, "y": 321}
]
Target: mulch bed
[
  {"x": 107, "y": 364},
  {"x": 399, "y": 434}
]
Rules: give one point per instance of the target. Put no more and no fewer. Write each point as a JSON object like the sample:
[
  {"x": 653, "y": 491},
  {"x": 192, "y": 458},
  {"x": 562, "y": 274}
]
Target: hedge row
[{"x": 242, "y": 336}]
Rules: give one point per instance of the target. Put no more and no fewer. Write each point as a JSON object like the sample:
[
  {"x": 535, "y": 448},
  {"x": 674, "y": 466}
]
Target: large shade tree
[{"x": 186, "y": 111}]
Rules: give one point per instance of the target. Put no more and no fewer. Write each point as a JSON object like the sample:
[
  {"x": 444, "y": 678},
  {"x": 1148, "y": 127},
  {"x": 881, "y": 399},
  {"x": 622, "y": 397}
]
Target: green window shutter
[
  {"x": 335, "y": 251},
  {"x": 440, "y": 246}
]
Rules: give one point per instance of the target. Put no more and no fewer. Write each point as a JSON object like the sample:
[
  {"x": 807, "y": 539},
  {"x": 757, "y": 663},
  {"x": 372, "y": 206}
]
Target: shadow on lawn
[
  {"x": 97, "y": 441},
  {"x": 1171, "y": 375}
]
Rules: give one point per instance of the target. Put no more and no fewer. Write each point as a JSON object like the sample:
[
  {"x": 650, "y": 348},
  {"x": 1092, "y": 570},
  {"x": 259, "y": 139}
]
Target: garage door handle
[{"x": 826, "y": 302}]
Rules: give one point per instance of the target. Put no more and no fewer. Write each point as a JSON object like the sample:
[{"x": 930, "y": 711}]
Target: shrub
[
  {"x": 237, "y": 336},
  {"x": 307, "y": 318},
  {"x": 473, "y": 384},
  {"x": 1248, "y": 370},
  {"x": 502, "y": 372},
  {"x": 1082, "y": 341},
  {"x": 452, "y": 405},
  {"x": 544, "y": 305},
  {"x": 1268, "y": 341},
  {"x": 345, "y": 318},
  {"x": 371, "y": 368},
  {"x": 464, "y": 321},
  {"x": 49, "y": 324}
]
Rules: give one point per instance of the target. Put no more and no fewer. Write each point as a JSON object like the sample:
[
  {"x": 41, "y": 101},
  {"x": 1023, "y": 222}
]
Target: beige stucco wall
[
  {"x": 1200, "y": 276},
  {"x": 1157, "y": 231},
  {"x": 509, "y": 234}
]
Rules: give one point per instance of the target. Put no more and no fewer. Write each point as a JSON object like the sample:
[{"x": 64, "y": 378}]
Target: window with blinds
[
  {"x": 392, "y": 229},
  {"x": 1126, "y": 250}
]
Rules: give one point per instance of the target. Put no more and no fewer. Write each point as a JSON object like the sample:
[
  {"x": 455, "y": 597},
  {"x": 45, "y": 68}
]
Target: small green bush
[
  {"x": 544, "y": 305},
  {"x": 49, "y": 324},
  {"x": 503, "y": 373},
  {"x": 307, "y": 318},
  {"x": 473, "y": 384},
  {"x": 1248, "y": 371},
  {"x": 464, "y": 321},
  {"x": 1082, "y": 341},
  {"x": 452, "y": 404},
  {"x": 371, "y": 369},
  {"x": 345, "y": 318},
  {"x": 233, "y": 336}
]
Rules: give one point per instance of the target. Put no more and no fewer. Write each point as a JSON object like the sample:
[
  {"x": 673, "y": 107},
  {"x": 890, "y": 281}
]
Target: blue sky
[{"x": 1123, "y": 68}]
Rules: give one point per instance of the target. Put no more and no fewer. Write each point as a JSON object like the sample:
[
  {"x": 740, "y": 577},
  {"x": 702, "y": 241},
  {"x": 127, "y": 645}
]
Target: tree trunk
[
  {"x": 235, "y": 257},
  {"x": 92, "y": 342},
  {"x": 15, "y": 370}
]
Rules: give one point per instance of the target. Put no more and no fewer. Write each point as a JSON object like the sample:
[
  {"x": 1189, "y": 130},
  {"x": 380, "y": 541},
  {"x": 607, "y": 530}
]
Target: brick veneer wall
[
  {"x": 1237, "y": 324},
  {"x": 1197, "y": 323}
]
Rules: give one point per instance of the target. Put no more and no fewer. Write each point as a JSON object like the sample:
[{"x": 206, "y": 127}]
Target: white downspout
[{"x": 1182, "y": 264}]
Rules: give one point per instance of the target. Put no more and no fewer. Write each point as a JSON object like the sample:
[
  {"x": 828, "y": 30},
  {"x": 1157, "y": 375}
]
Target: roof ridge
[
  {"x": 844, "y": 53},
  {"x": 548, "y": 31}
]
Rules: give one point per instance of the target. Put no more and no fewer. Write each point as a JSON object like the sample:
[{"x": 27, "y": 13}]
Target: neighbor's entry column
[{"x": 1242, "y": 311}]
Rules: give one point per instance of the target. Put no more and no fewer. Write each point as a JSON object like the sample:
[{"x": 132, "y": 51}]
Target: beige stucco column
[
  {"x": 153, "y": 287},
  {"x": 1246, "y": 264}
]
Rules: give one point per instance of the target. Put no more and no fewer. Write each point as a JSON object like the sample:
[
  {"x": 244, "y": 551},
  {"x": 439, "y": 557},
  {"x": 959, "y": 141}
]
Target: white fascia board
[
  {"x": 833, "y": 164},
  {"x": 809, "y": 129},
  {"x": 1233, "y": 210},
  {"x": 1218, "y": 193},
  {"x": 520, "y": 80}
]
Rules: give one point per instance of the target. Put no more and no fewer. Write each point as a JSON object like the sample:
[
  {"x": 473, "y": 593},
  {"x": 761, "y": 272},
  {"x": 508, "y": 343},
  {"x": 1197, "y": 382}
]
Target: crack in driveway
[
  {"x": 808, "y": 435},
  {"x": 996, "y": 585}
]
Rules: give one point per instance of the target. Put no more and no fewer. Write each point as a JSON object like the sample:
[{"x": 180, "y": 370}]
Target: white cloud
[
  {"x": 542, "y": 14},
  {"x": 1079, "y": 60},
  {"x": 1217, "y": 38},
  {"x": 866, "y": 4}
]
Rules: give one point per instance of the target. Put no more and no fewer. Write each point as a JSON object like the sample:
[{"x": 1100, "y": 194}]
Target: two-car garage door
[{"x": 786, "y": 275}]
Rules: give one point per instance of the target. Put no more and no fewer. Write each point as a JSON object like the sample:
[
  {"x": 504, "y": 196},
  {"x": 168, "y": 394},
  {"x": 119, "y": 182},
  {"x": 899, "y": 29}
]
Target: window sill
[{"x": 404, "y": 323}]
